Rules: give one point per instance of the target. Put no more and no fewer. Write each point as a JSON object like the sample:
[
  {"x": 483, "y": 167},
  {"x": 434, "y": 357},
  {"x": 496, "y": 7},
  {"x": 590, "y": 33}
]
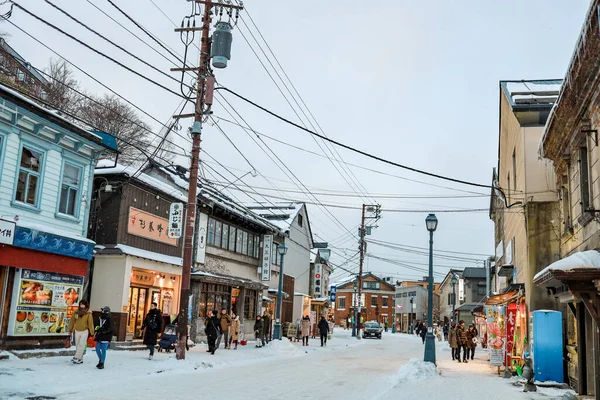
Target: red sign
[{"x": 511, "y": 320}]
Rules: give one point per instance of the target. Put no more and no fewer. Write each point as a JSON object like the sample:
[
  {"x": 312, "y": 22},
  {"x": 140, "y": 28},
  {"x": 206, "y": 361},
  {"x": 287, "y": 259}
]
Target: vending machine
[{"x": 547, "y": 346}]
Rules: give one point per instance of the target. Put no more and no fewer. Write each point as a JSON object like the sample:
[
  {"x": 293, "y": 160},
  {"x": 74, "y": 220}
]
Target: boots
[{"x": 100, "y": 365}]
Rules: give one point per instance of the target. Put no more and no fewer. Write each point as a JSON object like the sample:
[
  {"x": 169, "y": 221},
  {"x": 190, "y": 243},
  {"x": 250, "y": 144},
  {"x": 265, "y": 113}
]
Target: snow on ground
[{"x": 346, "y": 368}]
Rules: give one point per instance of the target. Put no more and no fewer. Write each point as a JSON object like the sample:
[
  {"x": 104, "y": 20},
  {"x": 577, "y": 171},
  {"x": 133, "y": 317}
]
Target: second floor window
[
  {"x": 69, "y": 192},
  {"x": 385, "y": 301},
  {"x": 341, "y": 303},
  {"x": 371, "y": 285},
  {"x": 373, "y": 301},
  {"x": 29, "y": 177}
]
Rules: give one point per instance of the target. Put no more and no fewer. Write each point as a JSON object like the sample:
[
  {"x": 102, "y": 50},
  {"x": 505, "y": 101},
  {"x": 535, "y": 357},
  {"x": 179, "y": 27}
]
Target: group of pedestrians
[
  {"x": 262, "y": 330},
  {"x": 81, "y": 326},
  {"x": 222, "y": 328},
  {"x": 465, "y": 339}
]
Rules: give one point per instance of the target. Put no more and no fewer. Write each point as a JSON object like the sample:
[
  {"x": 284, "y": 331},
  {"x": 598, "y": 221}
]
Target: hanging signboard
[
  {"x": 43, "y": 303},
  {"x": 461, "y": 290},
  {"x": 266, "y": 258},
  {"x": 496, "y": 330},
  {"x": 511, "y": 320},
  {"x": 7, "y": 232},
  {"x": 202, "y": 230},
  {"x": 175, "y": 220},
  {"x": 149, "y": 226},
  {"x": 332, "y": 294},
  {"x": 317, "y": 279}
]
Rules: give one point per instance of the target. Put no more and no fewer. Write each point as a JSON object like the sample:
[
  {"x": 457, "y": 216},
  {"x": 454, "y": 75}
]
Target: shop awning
[
  {"x": 267, "y": 299},
  {"x": 503, "y": 298},
  {"x": 467, "y": 307},
  {"x": 273, "y": 292},
  {"x": 320, "y": 300},
  {"x": 227, "y": 280},
  {"x": 582, "y": 266}
]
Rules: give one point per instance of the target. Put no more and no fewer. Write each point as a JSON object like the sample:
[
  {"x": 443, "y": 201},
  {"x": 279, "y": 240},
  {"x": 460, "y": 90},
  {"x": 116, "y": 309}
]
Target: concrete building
[{"x": 446, "y": 295}]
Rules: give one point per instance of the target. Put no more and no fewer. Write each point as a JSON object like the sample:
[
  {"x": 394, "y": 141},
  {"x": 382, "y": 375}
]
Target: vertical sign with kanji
[
  {"x": 266, "y": 258},
  {"x": 175, "y": 220},
  {"x": 317, "y": 280}
]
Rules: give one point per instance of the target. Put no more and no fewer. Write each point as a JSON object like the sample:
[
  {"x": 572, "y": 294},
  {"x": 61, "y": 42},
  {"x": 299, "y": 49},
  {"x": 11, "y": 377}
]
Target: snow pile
[
  {"x": 589, "y": 259},
  {"x": 416, "y": 370},
  {"x": 283, "y": 348}
]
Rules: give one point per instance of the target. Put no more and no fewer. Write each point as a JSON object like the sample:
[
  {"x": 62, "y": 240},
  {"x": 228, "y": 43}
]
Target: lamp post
[
  {"x": 410, "y": 321},
  {"x": 356, "y": 302},
  {"x": 453, "y": 284},
  {"x": 431, "y": 223},
  {"x": 281, "y": 249}
]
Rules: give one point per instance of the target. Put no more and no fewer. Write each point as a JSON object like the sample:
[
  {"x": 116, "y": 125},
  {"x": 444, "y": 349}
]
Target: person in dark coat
[
  {"x": 103, "y": 336},
  {"x": 266, "y": 327},
  {"x": 258, "y": 332},
  {"x": 461, "y": 337},
  {"x": 152, "y": 326},
  {"x": 323, "y": 331},
  {"x": 471, "y": 341},
  {"x": 212, "y": 330},
  {"x": 423, "y": 332},
  {"x": 446, "y": 331},
  {"x": 453, "y": 340}
]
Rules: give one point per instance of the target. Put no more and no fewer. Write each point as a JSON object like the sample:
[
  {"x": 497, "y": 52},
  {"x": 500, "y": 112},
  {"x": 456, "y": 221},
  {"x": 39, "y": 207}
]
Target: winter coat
[
  {"x": 258, "y": 326},
  {"x": 82, "y": 323},
  {"x": 225, "y": 322},
  {"x": 266, "y": 324},
  {"x": 234, "y": 329},
  {"x": 453, "y": 339},
  {"x": 212, "y": 326},
  {"x": 470, "y": 334},
  {"x": 104, "y": 330},
  {"x": 461, "y": 336},
  {"x": 305, "y": 326},
  {"x": 323, "y": 327},
  {"x": 422, "y": 330},
  {"x": 152, "y": 326}
]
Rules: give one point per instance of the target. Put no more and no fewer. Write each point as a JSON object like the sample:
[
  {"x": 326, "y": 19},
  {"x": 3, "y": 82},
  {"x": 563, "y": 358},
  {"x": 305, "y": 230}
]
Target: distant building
[
  {"x": 418, "y": 293},
  {"x": 15, "y": 71}
]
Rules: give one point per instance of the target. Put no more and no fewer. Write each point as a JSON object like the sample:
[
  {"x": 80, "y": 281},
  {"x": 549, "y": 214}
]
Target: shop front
[
  {"x": 42, "y": 276},
  {"x": 129, "y": 280}
]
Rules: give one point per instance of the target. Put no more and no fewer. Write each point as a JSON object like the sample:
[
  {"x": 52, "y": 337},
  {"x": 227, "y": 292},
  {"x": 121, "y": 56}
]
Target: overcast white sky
[{"x": 411, "y": 81}]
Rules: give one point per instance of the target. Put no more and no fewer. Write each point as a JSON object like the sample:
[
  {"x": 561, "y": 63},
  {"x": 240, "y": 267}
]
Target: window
[
  {"x": 218, "y": 229},
  {"x": 210, "y": 239},
  {"x": 371, "y": 285},
  {"x": 232, "y": 233},
  {"x": 412, "y": 294},
  {"x": 244, "y": 242},
  {"x": 341, "y": 303},
  {"x": 584, "y": 183},
  {"x": 300, "y": 220},
  {"x": 373, "y": 301},
  {"x": 384, "y": 301},
  {"x": 69, "y": 192},
  {"x": 213, "y": 297},
  {"x": 566, "y": 204},
  {"x": 481, "y": 291},
  {"x": 28, "y": 182},
  {"x": 238, "y": 246},
  {"x": 250, "y": 304},
  {"x": 225, "y": 240},
  {"x": 404, "y": 294},
  {"x": 250, "y": 251},
  {"x": 449, "y": 299},
  {"x": 20, "y": 75},
  {"x": 275, "y": 254},
  {"x": 256, "y": 246}
]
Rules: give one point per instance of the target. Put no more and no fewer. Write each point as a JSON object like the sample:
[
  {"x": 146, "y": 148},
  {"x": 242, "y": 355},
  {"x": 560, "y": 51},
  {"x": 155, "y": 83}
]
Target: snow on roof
[
  {"x": 300, "y": 294},
  {"x": 281, "y": 214},
  {"x": 532, "y": 92},
  {"x": 150, "y": 255},
  {"x": 589, "y": 259},
  {"x": 53, "y": 231}
]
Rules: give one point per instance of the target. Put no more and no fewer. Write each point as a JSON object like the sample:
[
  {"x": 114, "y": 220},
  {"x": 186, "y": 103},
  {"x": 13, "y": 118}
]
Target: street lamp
[
  {"x": 281, "y": 249},
  {"x": 431, "y": 223},
  {"x": 356, "y": 302},
  {"x": 324, "y": 254},
  {"x": 410, "y": 321},
  {"x": 453, "y": 282}
]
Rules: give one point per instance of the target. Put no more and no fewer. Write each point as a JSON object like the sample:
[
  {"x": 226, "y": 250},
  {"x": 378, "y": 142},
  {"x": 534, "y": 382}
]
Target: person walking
[
  {"x": 446, "y": 332},
  {"x": 305, "y": 330},
  {"x": 471, "y": 341},
  {"x": 453, "y": 341},
  {"x": 103, "y": 336},
  {"x": 212, "y": 328},
  {"x": 461, "y": 336},
  {"x": 81, "y": 326},
  {"x": 234, "y": 331},
  {"x": 152, "y": 326},
  {"x": 323, "y": 331},
  {"x": 258, "y": 332},
  {"x": 225, "y": 322},
  {"x": 266, "y": 327},
  {"x": 422, "y": 332}
]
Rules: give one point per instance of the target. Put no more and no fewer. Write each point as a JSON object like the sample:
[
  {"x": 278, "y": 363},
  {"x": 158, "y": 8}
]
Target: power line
[
  {"x": 364, "y": 153},
  {"x": 425, "y": 248}
]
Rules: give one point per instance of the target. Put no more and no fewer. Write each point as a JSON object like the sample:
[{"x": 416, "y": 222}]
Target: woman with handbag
[
  {"x": 234, "y": 331},
  {"x": 82, "y": 326},
  {"x": 104, "y": 332}
]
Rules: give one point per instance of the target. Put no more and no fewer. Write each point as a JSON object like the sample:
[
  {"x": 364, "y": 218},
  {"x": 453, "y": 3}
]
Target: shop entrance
[{"x": 137, "y": 310}]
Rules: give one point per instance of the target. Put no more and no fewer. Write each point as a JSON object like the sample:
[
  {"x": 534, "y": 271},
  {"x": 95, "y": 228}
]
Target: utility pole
[
  {"x": 204, "y": 93},
  {"x": 368, "y": 212}
]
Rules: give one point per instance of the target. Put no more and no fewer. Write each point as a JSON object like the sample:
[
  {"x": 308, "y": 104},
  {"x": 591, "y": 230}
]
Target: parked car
[{"x": 372, "y": 329}]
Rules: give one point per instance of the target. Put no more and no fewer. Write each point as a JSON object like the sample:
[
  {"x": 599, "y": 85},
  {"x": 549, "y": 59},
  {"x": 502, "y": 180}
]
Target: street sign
[
  {"x": 317, "y": 280},
  {"x": 332, "y": 294},
  {"x": 266, "y": 258},
  {"x": 175, "y": 220},
  {"x": 7, "y": 232},
  {"x": 320, "y": 245}
]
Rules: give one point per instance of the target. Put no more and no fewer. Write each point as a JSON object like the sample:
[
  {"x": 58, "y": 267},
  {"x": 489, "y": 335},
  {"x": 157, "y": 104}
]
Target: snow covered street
[{"x": 345, "y": 369}]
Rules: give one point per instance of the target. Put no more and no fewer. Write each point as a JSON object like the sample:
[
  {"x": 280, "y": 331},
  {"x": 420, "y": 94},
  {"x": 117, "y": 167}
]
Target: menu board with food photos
[{"x": 43, "y": 302}]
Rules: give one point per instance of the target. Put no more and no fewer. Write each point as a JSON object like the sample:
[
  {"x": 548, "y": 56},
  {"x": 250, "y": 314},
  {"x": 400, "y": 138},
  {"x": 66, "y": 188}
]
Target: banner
[
  {"x": 202, "y": 230},
  {"x": 43, "y": 302},
  {"x": 511, "y": 321},
  {"x": 266, "y": 258},
  {"x": 496, "y": 330},
  {"x": 317, "y": 278}
]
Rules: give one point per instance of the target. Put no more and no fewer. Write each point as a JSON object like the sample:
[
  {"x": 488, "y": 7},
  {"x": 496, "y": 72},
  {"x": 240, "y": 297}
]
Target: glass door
[
  {"x": 132, "y": 304},
  {"x": 137, "y": 310},
  {"x": 143, "y": 295}
]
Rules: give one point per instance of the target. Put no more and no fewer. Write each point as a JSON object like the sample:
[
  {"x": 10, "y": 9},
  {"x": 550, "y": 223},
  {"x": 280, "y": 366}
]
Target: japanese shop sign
[
  {"x": 149, "y": 226},
  {"x": 7, "y": 232},
  {"x": 266, "y": 258},
  {"x": 175, "y": 220},
  {"x": 317, "y": 279},
  {"x": 144, "y": 278}
]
